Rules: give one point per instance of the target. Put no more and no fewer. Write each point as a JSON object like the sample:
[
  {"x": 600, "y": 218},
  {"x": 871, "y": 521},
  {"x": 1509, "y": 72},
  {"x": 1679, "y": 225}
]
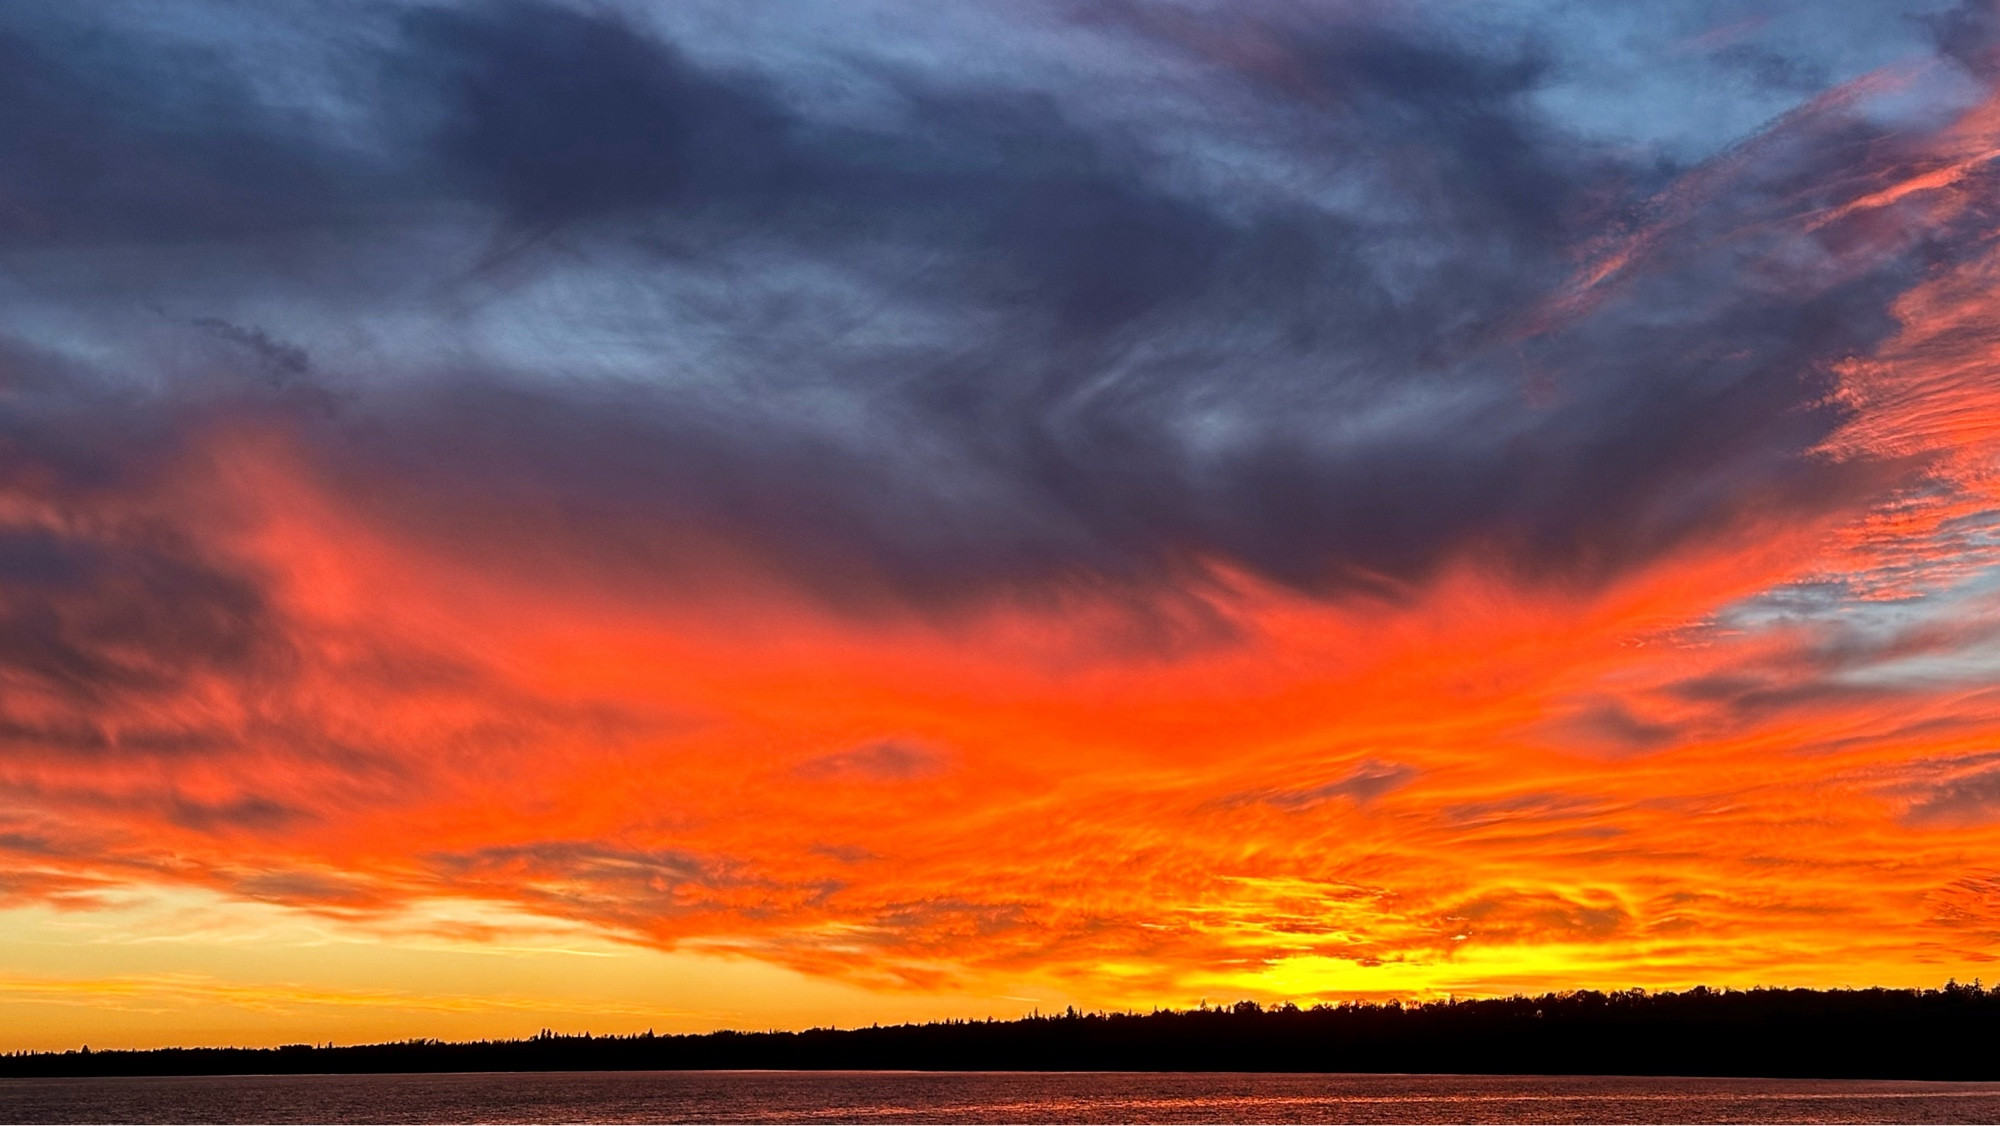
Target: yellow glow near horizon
[{"x": 168, "y": 966}]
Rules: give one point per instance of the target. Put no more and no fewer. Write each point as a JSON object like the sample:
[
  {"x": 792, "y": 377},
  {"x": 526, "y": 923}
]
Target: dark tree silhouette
[{"x": 1947, "y": 1033}]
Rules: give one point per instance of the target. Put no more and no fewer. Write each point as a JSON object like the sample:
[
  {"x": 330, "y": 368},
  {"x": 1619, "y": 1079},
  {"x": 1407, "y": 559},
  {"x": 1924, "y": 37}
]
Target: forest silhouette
[{"x": 1947, "y": 1033}]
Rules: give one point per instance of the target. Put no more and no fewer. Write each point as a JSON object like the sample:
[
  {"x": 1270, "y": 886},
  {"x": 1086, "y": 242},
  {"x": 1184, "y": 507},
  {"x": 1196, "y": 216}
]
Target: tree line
[{"x": 1948, "y": 1033}]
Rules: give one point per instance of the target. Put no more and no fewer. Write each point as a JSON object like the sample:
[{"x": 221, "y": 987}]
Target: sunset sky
[{"x": 684, "y": 514}]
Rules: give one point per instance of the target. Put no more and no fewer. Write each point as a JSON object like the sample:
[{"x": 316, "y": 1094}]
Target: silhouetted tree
[{"x": 1945, "y": 1033}]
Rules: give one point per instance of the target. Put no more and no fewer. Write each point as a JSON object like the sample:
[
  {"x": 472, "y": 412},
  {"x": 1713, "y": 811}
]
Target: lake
[{"x": 915, "y": 1097}]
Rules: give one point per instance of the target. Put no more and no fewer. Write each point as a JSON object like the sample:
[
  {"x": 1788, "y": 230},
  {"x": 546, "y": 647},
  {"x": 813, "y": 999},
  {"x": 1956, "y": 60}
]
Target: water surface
[{"x": 916, "y": 1097}]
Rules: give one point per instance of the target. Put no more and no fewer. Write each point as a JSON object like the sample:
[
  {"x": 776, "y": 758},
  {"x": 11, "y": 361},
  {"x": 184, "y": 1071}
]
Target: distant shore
[{"x": 1952, "y": 1033}]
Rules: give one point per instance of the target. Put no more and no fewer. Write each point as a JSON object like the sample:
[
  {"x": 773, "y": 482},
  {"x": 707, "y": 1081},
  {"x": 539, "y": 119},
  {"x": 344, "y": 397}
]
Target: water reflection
[{"x": 976, "y": 1097}]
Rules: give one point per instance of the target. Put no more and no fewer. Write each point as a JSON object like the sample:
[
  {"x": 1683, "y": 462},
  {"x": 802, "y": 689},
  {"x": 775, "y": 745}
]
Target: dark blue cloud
[
  {"x": 117, "y": 139},
  {"x": 560, "y": 277}
]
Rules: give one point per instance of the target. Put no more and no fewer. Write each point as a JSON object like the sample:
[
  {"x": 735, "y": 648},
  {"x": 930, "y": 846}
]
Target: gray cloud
[
  {"x": 876, "y": 762},
  {"x": 1969, "y": 799},
  {"x": 539, "y": 276},
  {"x": 1539, "y": 808},
  {"x": 1368, "y": 780}
]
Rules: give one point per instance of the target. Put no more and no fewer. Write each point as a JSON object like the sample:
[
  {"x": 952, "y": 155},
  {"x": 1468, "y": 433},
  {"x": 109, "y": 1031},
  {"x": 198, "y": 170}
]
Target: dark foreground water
[{"x": 848, "y": 1096}]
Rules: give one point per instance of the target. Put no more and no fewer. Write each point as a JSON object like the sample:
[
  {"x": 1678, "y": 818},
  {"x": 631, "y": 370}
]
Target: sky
[{"x": 622, "y": 515}]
